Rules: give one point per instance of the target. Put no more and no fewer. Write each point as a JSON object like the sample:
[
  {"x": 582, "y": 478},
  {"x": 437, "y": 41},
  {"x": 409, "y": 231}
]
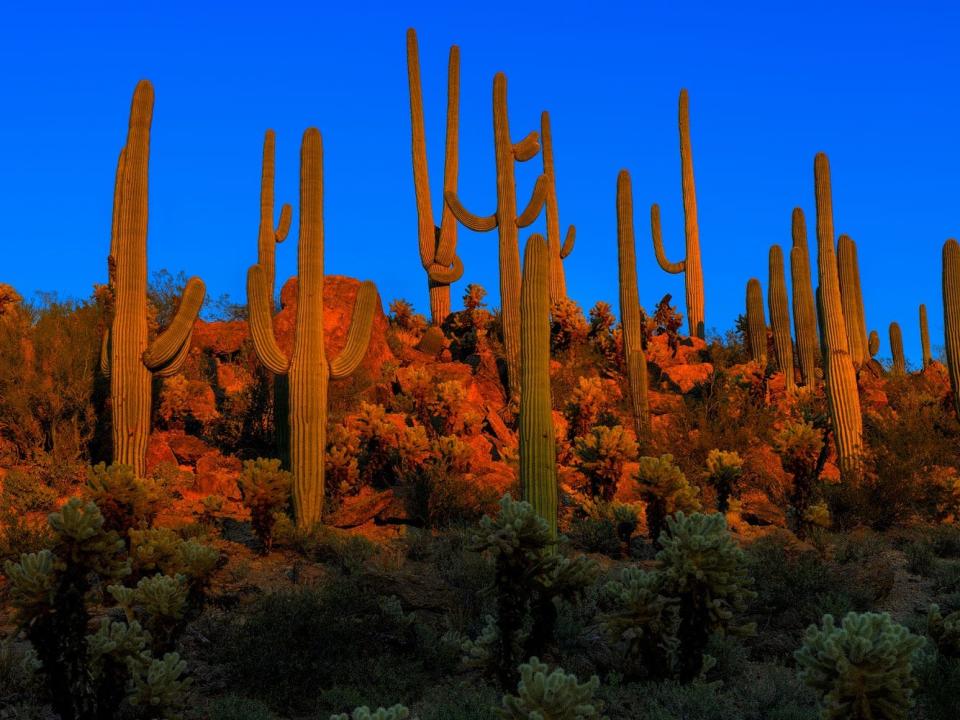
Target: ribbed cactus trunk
[
  {"x": 307, "y": 368},
  {"x": 925, "y": 337},
  {"x": 780, "y": 316},
  {"x": 132, "y": 358},
  {"x": 438, "y": 245},
  {"x": 690, "y": 265},
  {"x": 899, "y": 366},
  {"x": 852, "y": 299},
  {"x": 804, "y": 308},
  {"x": 507, "y": 222},
  {"x": 756, "y": 323},
  {"x": 634, "y": 357},
  {"x": 840, "y": 375},
  {"x": 558, "y": 251},
  {"x": 538, "y": 455},
  {"x": 951, "y": 315}
]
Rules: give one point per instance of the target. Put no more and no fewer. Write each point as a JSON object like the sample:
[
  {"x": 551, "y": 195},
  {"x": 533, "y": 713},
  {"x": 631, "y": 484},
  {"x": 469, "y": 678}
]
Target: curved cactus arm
[
  {"x": 358, "y": 337},
  {"x": 671, "y": 267},
  {"x": 467, "y": 218},
  {"x": 166, "y": 346},
  {"x": 421, "y": 179},
  {"x": 446, "y": 275},
  {"x": 261, "y": 322},
  {"x": 283, "y": 226},
  {"x": 537, "y": 200},
  {"x": 568, "y": 242},
  {"x": 527, "y": 148},
  {"x": 447, "y": 237},
  {"x": 177, "y": 361},
  {"x": 105, "y": 352}
]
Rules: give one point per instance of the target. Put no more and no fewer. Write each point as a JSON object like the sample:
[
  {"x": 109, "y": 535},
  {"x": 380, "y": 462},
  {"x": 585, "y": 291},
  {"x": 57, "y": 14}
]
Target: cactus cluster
[{"x": 545, "y": 695}]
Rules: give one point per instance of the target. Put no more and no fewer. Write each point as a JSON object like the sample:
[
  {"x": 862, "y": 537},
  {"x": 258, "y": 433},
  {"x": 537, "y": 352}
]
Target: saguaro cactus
[
  {"x": 558, "y": 251},
  {"x": 308, "y": 369},
  {"x": 838, "y": 366},
  {"x": 899, "y": 366},
  {"x": 633, "y": 353},
  {"x": 690, "y": 265},
  {"x": 780, "y": 316},
  {"x": 951, "y": 315},
  {"x": 507, "y": 222},
  {"x": 873, "y": 343},
  {"x": 438, "y": 245},
  {"x": 804, "y": 308},
  {"x": 852, "y": 299},
  {"x": 130, "y": 358},
  {"x": 756, "y": 323},
  {"x": 538, "y": 454},
  {"x": 925, "y": 336}
]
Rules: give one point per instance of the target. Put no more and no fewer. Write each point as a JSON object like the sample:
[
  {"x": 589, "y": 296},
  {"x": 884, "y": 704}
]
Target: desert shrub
[
  {"x": 19, "y": 674},
  {"x": 396, "y": 712},
  {"x": 24, "y": 492},
  {"x": 601, "y": 455},
  {"x": 235, "y": 707},
  {"x": 665, "y": 321},
  {"x": 555, "y": 695},
  {"x": 530, "y": 579},
  {"x": 595, "y": 534},
  {"x": 469, "y": 329},
  {"x": 668, "y": 701},
  {"x": 606, "y": 340},
  {"x": 863, "y": 669},
  {"x": 403, "y": 316},
  {"x": 265, "y": 488},
  {"x": 387, "y": 452},
  {"x": 125, "y": 501},
  {"x": 724, "y": 470},
  {"x": 187, "y": 404},
  {"x": 665, "y": 490},
  {"x": 920, "y": 558},
  {"x": 322, "y": 543},
  {"x": 591, "y": 403},
  {"x": 568, "y": 327}
]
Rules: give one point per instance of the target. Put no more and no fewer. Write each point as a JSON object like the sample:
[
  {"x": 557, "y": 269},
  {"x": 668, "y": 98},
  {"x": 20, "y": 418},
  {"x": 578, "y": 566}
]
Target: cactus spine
[
  {"x": 951, "y": 315},
  {"x": 899, "y": 366},
  {"x": 838, "y": 366},
  {"x": 690, "y": 265},
  {"x": 634, "y": 357},
  {"x": 804, "y": 308},
  {"x": 852, "y": 299},
  {"x": 507, "y": 222},
  {"x": 538, "y": 455},
  {"x": 925, "y": 336},
  {"x": 780, "y": 316},
  {"x": 558, "y": 251},
  {"x": 438, "y": 245},
  {"x": 756, "y": 323},
  {"x": 308, "y": 369},
  {"x": 132, "y": 357}
]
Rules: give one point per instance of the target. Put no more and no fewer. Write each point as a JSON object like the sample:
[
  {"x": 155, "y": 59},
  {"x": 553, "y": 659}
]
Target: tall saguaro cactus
[
  {"x": 925, "y": 336},
  {"x": 634, "y": 356},
  {"x": 896, "y": 350},
  {"x": 307, "y": 367},
  {"x": 538, "y": 453},
  {"x": 130, "y": 358},
  {"x": 840, "y": 375},
  {"x": 438, "y": 245},
  {"x": 558, "y": 251},
  {"x": 852, "y": 298},
  {"x": 506, "y": 221},
  {"x": 951, "y": 315},
  {"x": 690, "y": 265},
  {"x": 804, "y": 307},
  {"x": 756, "y": 323},
  {"x": 780, "y": 316}
]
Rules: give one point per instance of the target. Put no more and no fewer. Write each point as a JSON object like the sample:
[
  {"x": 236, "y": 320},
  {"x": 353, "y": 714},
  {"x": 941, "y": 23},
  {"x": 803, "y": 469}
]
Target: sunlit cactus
[
  {"x": 804, "y": 307},
  {"x": 838, "y": 365},
  {"x": 438, "y": 245},
  {"x": 873, "y": 343},
  {"x": 308, "y": 369},
  {"x": 690, "y": 265},
  {"x": 756, "y": 323},
  {"x": 634, "y": 357},
  {"x": 925, "y": 337},
  {"x": 507, "y": 222},
  {"x": 128, "y": 355},
  {"x": 951, "y": 315},
  {"x": 899, "y": 366},
  {"x": 780, "y": 316},
  {"x": 852, "y": 299},
  {"x": 558, "y": 251}
]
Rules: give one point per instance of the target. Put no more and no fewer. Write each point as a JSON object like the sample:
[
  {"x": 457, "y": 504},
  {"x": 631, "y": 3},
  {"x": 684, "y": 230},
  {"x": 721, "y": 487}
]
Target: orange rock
[
  {"x": 684, "y": 378},
  {"x": 233, "y": 378},
  {"x": 187, "y": 449},
  {"x": 217, "y": 474},
  {"x": 664, "y": 403},
  {"x": 222, "y": 338},
  {"x": 159, "y": 451},
  {"x": 689, "y": 352}
]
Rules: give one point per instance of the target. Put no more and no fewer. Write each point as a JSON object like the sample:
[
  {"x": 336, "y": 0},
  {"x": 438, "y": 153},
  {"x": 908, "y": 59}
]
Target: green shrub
[
  {"x": 598, "y": 535},
  {"x": 265, "y": 489},
  {"x": 665, "y": 490},
  {"x": 543, "y": 695},
  {"x": 125, "y": 501},
  {"x": 862, "y": 670}
]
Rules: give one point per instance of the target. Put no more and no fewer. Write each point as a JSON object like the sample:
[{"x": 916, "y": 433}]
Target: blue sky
[{"x": 872, "y": 84}]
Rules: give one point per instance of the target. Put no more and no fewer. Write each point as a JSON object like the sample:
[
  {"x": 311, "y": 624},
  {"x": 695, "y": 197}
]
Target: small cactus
[
  {"x": 925, "y": 337},
  {"x": 756, "y": 324},
  {"x": 873, "y": 343},
  {"x": 545, "y": 695}
]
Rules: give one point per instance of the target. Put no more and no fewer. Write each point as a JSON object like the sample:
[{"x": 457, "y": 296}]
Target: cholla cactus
[
  {"x": 265, "y": 488},
  {"x": 545, "y": 695},
  {"x": 124, "y": 500},
  {"x": 159, "y": 602},
  {"x": 601, "y": 456},
  {"x": 705, "y": 570},
  {"x": 397, "y": 712},
  {"x": 32, "y": 583},
  {"x": 724, "y": 470},
  {"x": 863, "y": 669},
  {"x": 591, "y": 403},
  {"x": 665, "y": 490},
  {"x": 161, "y": 684},
  {"x": 801, "y": 448},
  {"x": 82, "y": 542},
  {"x": 944, "y": 631}
]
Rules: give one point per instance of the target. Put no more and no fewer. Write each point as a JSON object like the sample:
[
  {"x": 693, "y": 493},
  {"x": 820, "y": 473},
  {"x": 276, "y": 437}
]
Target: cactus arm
[
  {"x": 421, "y": 179},
  {"x": 283, "y": 227},
  {"x": 673, "y": 268},
  {"x": 527, "y": 148},
  {"x": 261, "y": 322},
  {"x": 447, "y": 240},
  {"x": 927, "y": 358},
  {"x": 105, "y": 352},
  {"x": 467, "y": 218},
  {"x": 568, "y": 242},
  {"x": 358, "y": 337},
  {"x": 446, "y": 275},
  {"x": 169, "y": 342},
  {"x": 176, "y": 363},
  {"x": 537, "y": 200}
]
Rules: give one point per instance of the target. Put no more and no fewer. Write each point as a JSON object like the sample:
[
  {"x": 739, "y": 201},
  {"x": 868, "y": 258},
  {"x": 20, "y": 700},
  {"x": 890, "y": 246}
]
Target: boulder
[
  {"x": 217, "y": 474},
  {"x": 159, "y": 451},
  {"x": 221, "y": 338},
  {"x": 187, "y": 449},
  {"x": 683, "y": 378}
]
